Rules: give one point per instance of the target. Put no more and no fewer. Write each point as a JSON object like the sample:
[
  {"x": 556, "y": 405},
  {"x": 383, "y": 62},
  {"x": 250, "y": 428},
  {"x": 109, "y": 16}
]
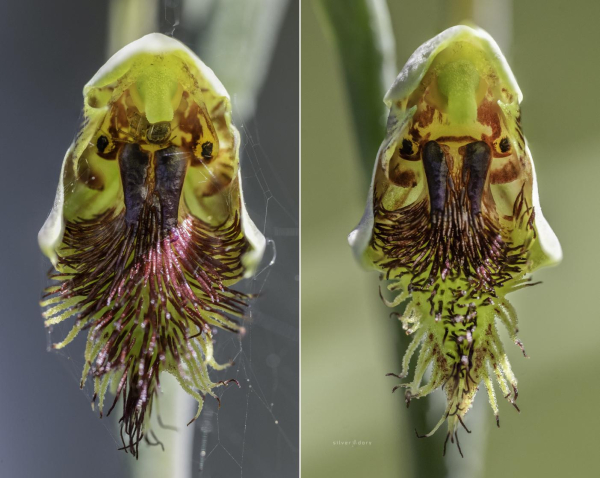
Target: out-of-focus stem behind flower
[
  {"x": 175, "y": 408},
  {"x": 494, "y": 16},
  {"x": 129, "y": 20}
]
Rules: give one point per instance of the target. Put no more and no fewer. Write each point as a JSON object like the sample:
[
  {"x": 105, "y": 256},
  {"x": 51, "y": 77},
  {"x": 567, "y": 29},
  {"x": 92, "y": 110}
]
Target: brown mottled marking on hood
[
  {"x": 425, "y": 117},
  {"x": 405, "y": 179},
  {"x": 506, "y": 174},
  {"x": 488, "y": 114},
  {"x": 188, "y": 123}
]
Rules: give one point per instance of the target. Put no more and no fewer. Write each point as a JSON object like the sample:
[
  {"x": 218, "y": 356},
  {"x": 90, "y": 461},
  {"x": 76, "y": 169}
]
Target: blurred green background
[{"x": 349, "y": 342}]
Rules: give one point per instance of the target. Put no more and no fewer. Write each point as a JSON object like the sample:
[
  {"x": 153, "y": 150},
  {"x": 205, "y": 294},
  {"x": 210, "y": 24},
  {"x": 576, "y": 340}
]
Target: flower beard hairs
[
  {"x": 148, "y": 288},
  {"x": 453, "y": 221},
  {"x": 454, "y": 268}
]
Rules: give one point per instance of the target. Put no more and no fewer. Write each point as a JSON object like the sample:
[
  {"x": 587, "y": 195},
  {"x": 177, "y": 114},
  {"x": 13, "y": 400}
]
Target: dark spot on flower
[
  {"x": 207, "y": 149},
  {"x": 406, "y": 179},
  {"x": 407, "y": 147},
  {"x": 102, "y": 143},
  {"x": 93, "y": 101}
]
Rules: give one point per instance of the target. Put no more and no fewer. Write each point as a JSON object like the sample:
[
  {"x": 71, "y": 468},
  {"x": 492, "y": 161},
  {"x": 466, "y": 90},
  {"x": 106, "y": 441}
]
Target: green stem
[
  {"x": 129, "y": 20},
  {"x": 175, "y": 409},
  {"x": 460, "y": 11},
  {"x": 495, "y": 16}
]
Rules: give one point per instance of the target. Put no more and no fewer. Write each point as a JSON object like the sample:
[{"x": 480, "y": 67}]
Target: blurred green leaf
[
  {"x": 362, "y": 34},
  {"x": 238, "y": 46}
]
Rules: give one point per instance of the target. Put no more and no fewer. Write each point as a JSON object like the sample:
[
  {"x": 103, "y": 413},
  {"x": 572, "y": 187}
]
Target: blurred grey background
[
  {"x": 47, "y": 429},
  {"x": 349, "y": 342}
]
